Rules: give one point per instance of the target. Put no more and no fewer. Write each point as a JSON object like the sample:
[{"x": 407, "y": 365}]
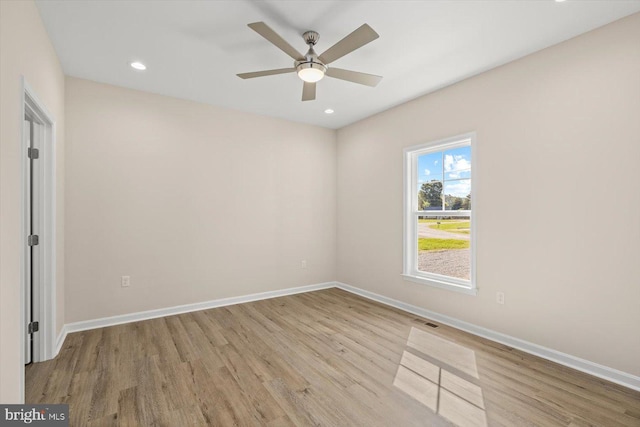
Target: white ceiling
[{"x": 194, "y": 49}]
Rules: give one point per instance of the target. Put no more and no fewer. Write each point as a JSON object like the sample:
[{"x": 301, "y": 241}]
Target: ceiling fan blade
[
  {"x": 353, "y": 41},
  {"x": 265, "y": 31},
  {"x": 308, "y": 91},
  {"x": 354, "y": 76},
  {"x": 265, "y": 73}
]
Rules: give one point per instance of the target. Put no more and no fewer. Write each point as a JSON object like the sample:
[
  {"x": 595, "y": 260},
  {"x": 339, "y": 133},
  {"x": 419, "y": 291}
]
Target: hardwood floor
[{"x": 326, "y": 358}]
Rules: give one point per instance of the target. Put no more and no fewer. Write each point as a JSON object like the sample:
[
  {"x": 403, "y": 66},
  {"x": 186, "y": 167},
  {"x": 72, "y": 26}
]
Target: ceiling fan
[{"x": 312, "y": 67}]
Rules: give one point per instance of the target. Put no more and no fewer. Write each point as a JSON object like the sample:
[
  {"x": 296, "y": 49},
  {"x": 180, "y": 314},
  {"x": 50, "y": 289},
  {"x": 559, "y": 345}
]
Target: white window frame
[{"x": 411, "y": 213}]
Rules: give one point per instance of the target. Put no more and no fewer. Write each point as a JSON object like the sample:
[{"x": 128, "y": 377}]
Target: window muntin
[{"x": 439, "y": 243}]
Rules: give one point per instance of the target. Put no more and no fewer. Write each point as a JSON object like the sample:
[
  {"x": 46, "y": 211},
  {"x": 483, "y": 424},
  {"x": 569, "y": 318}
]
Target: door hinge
[
  {"x": 33, "y": 327},
  {"x": 33, "y": 153},
  {"x": 33, "y": 240}
]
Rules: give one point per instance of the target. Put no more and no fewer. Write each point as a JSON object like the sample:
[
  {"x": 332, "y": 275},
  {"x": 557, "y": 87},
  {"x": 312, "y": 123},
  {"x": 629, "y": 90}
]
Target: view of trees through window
[{"x": 444, "y": 212}]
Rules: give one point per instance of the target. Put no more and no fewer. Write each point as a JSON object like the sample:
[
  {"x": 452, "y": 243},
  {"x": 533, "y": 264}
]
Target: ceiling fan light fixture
[{"x": 311, "y": 72}]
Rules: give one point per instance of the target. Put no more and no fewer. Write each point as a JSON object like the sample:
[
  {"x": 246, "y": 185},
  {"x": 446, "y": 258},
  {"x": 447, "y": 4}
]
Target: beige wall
[
  {"x": 557, "y": 196},
  {"x": 192, "y": 201},
  {"x": 25, "y": 50}
]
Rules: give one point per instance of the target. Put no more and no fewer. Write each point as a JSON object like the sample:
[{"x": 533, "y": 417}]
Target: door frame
[{"x": 34, "y": 107}]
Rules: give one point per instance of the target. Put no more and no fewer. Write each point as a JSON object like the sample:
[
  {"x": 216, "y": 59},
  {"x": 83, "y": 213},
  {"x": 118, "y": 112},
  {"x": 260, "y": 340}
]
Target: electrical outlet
[
  {"x": 303, "y": 263},
  {"x": 125, "y": 281},
  {"x": 500, "y": 297}
]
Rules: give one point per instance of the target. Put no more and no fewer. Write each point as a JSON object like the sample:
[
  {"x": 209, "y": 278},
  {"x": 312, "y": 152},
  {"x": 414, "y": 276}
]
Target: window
[{"x": 439, "y": 222}]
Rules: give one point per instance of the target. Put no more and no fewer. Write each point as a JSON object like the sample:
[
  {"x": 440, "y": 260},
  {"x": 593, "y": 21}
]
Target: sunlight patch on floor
[
  {"x": 452, "y": 397},
  {"x": 449, "y": 352}
]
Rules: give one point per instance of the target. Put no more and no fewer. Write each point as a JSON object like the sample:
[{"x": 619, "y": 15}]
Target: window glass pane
[
  {"x": 430, "y": 181},
  {"x": 444, "y": 246},
  {"x": 457, "y": 194},
  {"x": 429, "y": 165},
  {"x": 430, "y": 196},
  {"x": 457, "y": 182},
  {"x": 457, "y": 163}
]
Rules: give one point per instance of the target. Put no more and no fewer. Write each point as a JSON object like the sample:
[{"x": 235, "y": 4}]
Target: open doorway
[{"x": 38, "y": 231}]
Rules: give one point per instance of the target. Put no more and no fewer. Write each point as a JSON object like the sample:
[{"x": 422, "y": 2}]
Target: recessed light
[
  {"x": 138, "y": 66},
  {"x": 559, "y": 1},
  {"x": 328, "y": 111}
]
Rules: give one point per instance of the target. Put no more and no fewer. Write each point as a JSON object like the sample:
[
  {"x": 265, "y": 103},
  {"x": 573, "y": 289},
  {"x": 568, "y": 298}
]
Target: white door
[
  {"x": 27, "y": 299},
  {"x": 36, "y": 212},
  {"x": 33, "y": 131}
]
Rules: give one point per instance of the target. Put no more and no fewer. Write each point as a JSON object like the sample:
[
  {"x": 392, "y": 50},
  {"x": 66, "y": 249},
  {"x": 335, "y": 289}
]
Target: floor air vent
[{"x": 433, "y": 325}]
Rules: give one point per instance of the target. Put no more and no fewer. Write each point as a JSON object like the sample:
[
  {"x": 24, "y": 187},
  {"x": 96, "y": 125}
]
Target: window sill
[{"x": 441, "y": 284}]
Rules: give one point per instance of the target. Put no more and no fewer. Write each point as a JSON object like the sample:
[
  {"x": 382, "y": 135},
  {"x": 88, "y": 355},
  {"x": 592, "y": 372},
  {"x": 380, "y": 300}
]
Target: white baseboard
[
  {"x": 178, "y": 309},
  {"x": 597, "y": 370},
  {"x": 61, "y": 337}
]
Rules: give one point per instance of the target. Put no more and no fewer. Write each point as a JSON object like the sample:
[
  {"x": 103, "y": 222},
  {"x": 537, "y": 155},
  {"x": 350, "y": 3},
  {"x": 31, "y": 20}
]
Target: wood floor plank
[
  {"x": 211, "y": 327},
  {"x": 260, "y": 400},
  {"x": 79, "y": 397},
  {"x": 281, "y": 422},
  {"x": 326, "y": 358},
  {"x": 110, "y": 420},
  {"x": 127, "y": 408}
]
